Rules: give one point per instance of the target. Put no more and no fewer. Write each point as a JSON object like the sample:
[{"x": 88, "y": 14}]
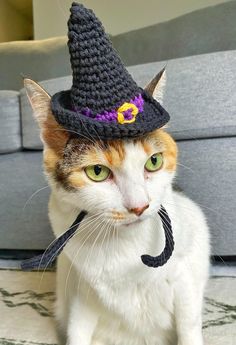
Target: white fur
[{"x": 105, "y": 294}]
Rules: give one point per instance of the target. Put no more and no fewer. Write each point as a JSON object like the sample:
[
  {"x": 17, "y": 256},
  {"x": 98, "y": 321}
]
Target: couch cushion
[
  {"x": 203, "y": 171},
  {"x": 30, "y": 129},
  {"x": 203, "y": 31},
  {"x": 206, "y": 173},
  {"x": 200, "y": 94},
  {"x": 23, "y": 213},
  {"x": 10, "y": 139},
  {"x": 40, "y": 60}
]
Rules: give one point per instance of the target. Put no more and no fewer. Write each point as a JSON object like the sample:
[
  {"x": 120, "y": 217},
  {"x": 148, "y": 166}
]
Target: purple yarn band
[{"x": 111, "y": 116}]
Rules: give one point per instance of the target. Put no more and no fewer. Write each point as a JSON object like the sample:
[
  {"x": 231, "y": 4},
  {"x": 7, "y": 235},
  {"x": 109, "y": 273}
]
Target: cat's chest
[{"x": 140, "y": 296}]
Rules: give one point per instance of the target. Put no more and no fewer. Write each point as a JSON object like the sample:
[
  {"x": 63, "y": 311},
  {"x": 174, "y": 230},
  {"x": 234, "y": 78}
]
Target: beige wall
[
  {"x": 13, "y": 25},
  {"x": 118, "y": 16}
]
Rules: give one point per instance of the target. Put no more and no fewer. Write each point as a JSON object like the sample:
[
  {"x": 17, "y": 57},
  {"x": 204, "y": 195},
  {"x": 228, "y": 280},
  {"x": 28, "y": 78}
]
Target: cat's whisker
[
  {"x": 45, "y": 251},
  {"x": 77, "y": 224},
  {"x": 216, "y": 225},
  {"x": 85, "y": 261},
  {"x": 91, "y": 139},
  {"x": 104, "y": 230},
  {"x": 113, "y": 237},
  {"x": 51, "y": 260},
  {"x": 84, "y": 239},
  {"x": 48, "y": 263},
  {"x": 117, "y": 236},
  {"x": 112, "y": 232},
  {"x": 85, "y": 128},
  {"x": 75, "y": 255},
  {"x": 108, "y": 223},
  {"x": 31, "y": 197},
  {"x": 101, "y": 232},
  {"x": 36, "y": 192},
  {"x": 117, "y": 242},
  {"x": 186, "y": 167},
  {"x": 58, "y": 250},
  {"x": 104, "y": 240},
  {"x": 201, "y": 205}
]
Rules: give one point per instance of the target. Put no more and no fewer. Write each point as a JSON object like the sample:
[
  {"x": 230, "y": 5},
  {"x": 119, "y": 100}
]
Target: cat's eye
[
  {"x": 97, "y": 173},
  {"x": 154, "y": 163}
]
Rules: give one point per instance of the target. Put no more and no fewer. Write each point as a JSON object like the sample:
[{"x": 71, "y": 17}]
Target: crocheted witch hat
[{"x": 104, "y": 101}]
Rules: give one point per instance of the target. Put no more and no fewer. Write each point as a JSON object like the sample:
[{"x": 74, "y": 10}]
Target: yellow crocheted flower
[{"x": 127, "y": 106}]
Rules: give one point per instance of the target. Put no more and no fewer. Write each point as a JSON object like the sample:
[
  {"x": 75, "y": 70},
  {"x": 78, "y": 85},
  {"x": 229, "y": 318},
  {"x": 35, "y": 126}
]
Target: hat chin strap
[
  {"x": 44, "y": 260},
  {"x": 160, "y": 260}
]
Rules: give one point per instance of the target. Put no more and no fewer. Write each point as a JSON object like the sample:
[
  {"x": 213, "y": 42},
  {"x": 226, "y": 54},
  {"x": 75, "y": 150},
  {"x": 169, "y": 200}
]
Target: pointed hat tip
[
  {"x": 79, "y": 10},
  {"x": 77, "y": 5}
]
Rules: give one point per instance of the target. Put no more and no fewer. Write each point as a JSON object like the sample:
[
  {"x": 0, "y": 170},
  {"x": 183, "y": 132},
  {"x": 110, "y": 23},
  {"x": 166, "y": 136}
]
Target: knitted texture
[
  {"x": 100, "y": 81},
  {"x": 162, "y": 259},
  {"x": 154, "y": 116},
  {"x": 104, "y": 101},
  {"x": 127, "y": 110},
  {"x": 51, "y": 253}
]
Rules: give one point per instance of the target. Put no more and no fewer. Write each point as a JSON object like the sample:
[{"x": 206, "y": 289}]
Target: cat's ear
[
  {"x": 52, "y": 134},
  {"x": 156, "y": 87},
  {"x": 39, "y": 100}
]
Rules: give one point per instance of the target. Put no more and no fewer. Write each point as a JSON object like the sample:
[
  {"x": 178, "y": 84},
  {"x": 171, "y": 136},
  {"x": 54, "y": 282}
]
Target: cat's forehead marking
[
  {"x": 111, "y": 153},
  {"x": 115, "y": 153},
  {"x": 77, "y": 146}
]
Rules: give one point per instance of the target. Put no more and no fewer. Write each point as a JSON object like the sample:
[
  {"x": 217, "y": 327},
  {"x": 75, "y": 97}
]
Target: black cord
[{"x": 44, "y": 260}]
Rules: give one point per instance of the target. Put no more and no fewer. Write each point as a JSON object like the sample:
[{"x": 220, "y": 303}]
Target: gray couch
[{"x": 201, "y": 98}]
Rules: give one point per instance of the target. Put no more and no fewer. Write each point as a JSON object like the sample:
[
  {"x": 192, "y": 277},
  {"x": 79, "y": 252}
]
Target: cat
[{"x": 105, "y": 294}]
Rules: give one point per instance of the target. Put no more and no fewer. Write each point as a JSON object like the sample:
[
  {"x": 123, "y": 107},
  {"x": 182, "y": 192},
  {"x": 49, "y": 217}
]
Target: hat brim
[{"x": 152, "y": 117}]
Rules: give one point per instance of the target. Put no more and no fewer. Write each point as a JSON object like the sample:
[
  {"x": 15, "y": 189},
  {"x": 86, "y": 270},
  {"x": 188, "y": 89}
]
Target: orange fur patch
[
  {"x": 55, "y": 138},
  {"x": 76, "y": 179},
  {"x": 170, "y": 150},
  {"x": 117, "y": 215},
  {"x": 115, "y": 153},
  {"x": 50, "y": 159},
  {"x": 91, "y": 157},
  {"x": 54, "y": 135},
  {"x": 147, "y": 147}
]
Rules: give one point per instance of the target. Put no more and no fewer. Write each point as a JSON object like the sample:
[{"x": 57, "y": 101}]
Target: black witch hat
[{"x": 104, "y": 101}]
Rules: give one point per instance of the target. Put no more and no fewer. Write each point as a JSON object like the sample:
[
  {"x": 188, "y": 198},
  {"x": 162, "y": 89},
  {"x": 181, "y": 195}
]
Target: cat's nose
[{"x": 139, "y": 210}]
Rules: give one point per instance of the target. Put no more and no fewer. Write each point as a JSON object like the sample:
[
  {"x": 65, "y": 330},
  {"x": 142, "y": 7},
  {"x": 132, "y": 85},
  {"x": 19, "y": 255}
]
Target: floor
[{"x": 26, "y": 306}]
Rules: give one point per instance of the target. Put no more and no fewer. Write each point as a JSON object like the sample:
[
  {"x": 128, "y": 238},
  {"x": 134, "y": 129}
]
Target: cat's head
[{"x": 123, "y": 180}]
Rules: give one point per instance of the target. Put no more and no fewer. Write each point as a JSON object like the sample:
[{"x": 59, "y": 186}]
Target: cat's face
[{"x": 122, "y": 180}]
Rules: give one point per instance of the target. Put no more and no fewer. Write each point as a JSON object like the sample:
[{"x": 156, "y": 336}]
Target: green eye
[
  {"x": 97, "y": 172},
  {"x": 154, "y": 163}
]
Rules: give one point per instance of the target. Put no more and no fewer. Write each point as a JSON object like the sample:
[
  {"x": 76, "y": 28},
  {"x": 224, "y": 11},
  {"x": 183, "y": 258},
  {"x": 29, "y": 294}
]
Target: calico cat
[{"x": 105, "y": 295}]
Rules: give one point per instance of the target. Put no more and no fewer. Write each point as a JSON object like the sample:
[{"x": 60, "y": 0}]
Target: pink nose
[{"x": 139, "y": 210}]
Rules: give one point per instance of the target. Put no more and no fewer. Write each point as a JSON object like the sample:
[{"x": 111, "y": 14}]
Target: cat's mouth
[
  {"x": 129, "y": 222},
  {"x": 136, "y": 221}
]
